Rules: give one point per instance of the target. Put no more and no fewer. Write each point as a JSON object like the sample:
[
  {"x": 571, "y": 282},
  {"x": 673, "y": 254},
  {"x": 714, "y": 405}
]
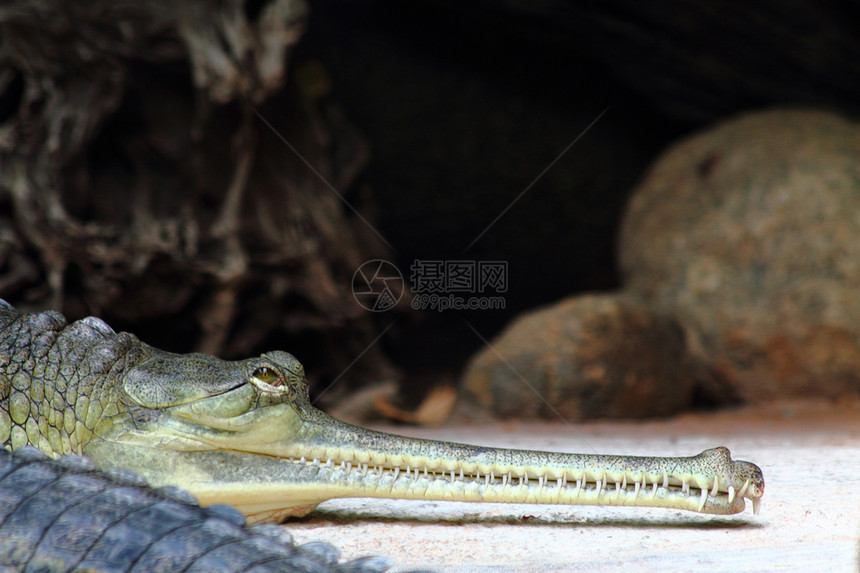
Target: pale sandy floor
[{"x": 810, "y": 519}]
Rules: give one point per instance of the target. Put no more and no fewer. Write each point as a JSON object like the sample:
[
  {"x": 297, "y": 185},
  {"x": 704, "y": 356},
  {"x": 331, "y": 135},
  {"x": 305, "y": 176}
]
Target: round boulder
[
  {"x": 749, "y": 233},
  {"x": 587, "y": 356}
]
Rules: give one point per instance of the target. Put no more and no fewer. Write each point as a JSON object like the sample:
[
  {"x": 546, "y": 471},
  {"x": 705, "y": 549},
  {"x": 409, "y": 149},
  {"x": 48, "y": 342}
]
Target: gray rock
[
  {"x": 588, "y": 356},
  {"x": 750, "y": 234}
]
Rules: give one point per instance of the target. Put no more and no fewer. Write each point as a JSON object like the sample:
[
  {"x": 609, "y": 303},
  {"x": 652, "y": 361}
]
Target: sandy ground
[{"x": 810, "y": 518}]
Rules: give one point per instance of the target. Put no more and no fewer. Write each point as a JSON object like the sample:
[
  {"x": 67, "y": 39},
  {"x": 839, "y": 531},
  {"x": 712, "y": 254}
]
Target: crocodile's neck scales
[{"x": 57, "y": 380}]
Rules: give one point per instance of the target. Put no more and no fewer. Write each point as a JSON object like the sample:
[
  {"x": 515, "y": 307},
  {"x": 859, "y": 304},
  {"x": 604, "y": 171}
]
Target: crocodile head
[{"x": 245, "y": 433}]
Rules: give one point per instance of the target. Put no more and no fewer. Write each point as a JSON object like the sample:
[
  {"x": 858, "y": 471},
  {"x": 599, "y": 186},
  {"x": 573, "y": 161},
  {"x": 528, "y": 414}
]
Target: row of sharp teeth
[{"x": 506, "y": 479}]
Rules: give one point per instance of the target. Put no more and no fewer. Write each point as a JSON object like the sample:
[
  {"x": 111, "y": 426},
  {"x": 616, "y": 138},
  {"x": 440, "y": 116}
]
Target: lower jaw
[{"x": 317, "y": 483}]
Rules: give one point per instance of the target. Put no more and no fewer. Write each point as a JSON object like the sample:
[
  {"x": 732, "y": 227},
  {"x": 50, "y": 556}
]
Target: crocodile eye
[{"x": 268, "y": 376}]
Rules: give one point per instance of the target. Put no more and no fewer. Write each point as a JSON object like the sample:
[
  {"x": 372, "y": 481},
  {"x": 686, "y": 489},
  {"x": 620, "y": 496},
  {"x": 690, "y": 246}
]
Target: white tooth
[
  {"x": 425, "y": 471},
  {"x": 685, "y": 487},
  {"x": 453, "y": 477},
  {"x": 636, "y": 490},
  {"x": 487, "y": 479},
  {"x": 744, "y": 487},
  {"x": 478, "y": 475},
  {"x": 716, "y": 487},
  {"x": 316, "y": 461},
  {"x": 303, "y": 460},
  {"x": 665, "y": 479},
  {"x": 599, "y": 485},
  {"x": 396, "y": 472},
  {"x": 578, "y": 486},
  {"x": 624, "y": 482},
  {"x": 618, "y": 488},
  {"x": 731, "y": 493},
  {"x": 461, "y": 473},
  {"x": 504, "y": 480},
  {"x": 559, "y": 484},
  {"x": 756, "y": 505},
  {"x": 704, "y": 499},
  {"x": 540, "y": 482},
  {"x": 654, "y": 491}
]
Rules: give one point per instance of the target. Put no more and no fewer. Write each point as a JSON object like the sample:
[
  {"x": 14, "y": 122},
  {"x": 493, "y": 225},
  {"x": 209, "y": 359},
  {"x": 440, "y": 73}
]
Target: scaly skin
[
  {"x": 245, "y": 434},
  {"x": 61, "y": 515}
]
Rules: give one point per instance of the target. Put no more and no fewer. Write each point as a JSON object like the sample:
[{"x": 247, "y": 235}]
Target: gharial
[{"x": 244, "y": 433}]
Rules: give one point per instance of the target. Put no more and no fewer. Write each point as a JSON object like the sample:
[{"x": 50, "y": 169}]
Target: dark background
[
  {"x": 430, "y": 119},
  {"x": 464, "y": 104}
]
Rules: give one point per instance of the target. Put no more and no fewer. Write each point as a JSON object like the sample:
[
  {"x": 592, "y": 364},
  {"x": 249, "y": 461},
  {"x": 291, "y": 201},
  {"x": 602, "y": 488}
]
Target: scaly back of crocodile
[
  {"x": 58, "y": 381},
  {"x": 63, "y": 515}
]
